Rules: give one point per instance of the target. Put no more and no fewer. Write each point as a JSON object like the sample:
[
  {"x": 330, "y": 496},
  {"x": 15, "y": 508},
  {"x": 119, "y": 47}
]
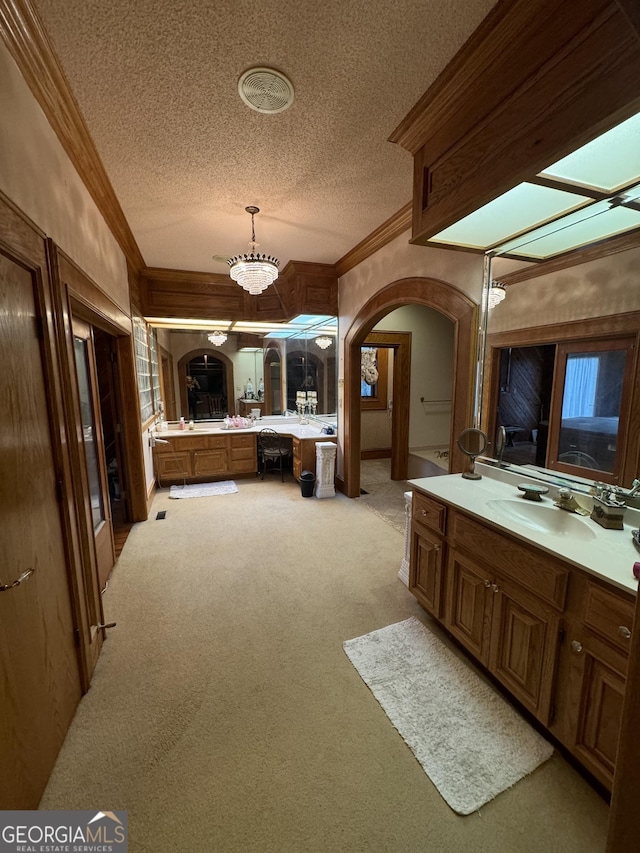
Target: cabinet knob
[
  {"x": 495, "y": 587},
  {"x": 436, "y": 548},
  {"x": 424, "y": 512},
  {"x": 487, "y": 583},
  {"x": 624, "y": 632},
  {"x": 576, "y": 646}
]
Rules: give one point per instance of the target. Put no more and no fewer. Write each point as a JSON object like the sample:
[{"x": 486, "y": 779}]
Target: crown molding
[
  {"x": 29, "y": 45},
  {"x": 383, "y": 234}
]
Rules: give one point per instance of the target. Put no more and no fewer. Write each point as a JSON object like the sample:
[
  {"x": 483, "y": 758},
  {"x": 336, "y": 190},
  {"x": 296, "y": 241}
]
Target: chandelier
[
  {"x": 253, "y": 271},
  {"x": 324, "y": 341},
  {"x": 217, "y": 338},
  {"x": 497, "y": 293}
]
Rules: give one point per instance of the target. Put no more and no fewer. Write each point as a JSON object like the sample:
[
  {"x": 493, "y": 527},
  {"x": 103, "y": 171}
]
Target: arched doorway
[
  {"x": 447, "y": 300},
  {"x": 213, "y": 371}
]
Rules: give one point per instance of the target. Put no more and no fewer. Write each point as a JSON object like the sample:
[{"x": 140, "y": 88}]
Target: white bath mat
[
  {"x": 469, "y": 740},
  {"x": 203, "y": 490}
]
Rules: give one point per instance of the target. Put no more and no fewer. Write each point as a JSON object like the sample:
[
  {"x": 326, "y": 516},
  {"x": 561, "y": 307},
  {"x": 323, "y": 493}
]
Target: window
[{"x": 147, "y": 368}]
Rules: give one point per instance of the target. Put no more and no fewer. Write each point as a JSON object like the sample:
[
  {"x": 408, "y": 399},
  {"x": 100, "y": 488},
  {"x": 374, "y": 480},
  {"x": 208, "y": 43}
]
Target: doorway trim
[
  {"x": 400, "y": 343},
  {"x": 183, "y": 364},
  {"x": 451, "y": 303}
]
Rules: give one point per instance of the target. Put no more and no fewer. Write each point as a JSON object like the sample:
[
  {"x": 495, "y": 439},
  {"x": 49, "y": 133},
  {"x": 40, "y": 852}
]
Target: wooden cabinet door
[
  {"x": 469, "y": 605},
  {"x": 524, "y": 646},
  {"x": 425, "y": 576},
  {"x": 603, "y": 686},
  {"x": 174, "y": 466},
  {"x": 210, "y": 462}
]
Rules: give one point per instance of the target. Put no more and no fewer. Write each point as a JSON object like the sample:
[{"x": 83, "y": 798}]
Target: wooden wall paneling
[
  {"x": 300, "y": 288},
  {"x": 631, "y": 9}
]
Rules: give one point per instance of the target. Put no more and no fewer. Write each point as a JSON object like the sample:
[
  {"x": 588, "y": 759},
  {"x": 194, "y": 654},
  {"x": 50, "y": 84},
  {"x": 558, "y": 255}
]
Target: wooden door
[
  {"x": 469, "y": 608},
  {"x": 524, "y": 646},
  {"x": 94, "y": 450},
  {"x": 425, "y": 577},
  {"x": 40, "y": 683}
]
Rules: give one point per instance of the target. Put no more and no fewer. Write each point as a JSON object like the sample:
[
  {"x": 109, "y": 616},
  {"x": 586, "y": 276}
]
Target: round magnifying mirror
[{"x": 472, "y": 442}]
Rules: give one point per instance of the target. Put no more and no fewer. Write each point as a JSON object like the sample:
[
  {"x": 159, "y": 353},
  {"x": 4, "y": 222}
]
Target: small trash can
[{"x": 307, "y": 482}]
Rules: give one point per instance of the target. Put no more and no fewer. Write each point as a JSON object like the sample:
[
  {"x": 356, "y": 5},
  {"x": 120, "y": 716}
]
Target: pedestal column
[{"x": 325, "y": 469}]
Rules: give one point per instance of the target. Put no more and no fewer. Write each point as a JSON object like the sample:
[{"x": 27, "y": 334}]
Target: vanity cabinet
[
  {"x": 304, "y": 453},
  {"x": 203, "y": 457},
  {"x": 511, "y": 631},
  {"x": 427, "y": 552},
  {"x": 599, "y": 649},
  {"x": 556, "y": 637}
]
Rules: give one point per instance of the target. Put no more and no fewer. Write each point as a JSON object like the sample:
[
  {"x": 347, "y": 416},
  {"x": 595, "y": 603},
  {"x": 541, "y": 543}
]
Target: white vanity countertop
[
  {"x": 288, "y": 426},
  {"x": 608, "y": 554}
]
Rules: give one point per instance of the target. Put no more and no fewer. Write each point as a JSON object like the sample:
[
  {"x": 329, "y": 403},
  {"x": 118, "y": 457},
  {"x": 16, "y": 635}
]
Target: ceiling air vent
[{"x": 265, "y": 90}]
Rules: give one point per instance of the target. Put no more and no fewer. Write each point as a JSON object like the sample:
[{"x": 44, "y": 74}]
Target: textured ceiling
[{"x": 156, "y": 81}]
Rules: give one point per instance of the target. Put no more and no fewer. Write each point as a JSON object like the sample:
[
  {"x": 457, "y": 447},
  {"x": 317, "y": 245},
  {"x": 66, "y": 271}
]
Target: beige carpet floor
[{"x": 225, "y": 716}]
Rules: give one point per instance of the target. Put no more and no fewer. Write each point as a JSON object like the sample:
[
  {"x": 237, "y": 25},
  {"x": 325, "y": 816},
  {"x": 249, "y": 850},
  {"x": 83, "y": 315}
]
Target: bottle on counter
[
  {"x": 182, "y": 424},
  {"x": 191, "y": 424}
]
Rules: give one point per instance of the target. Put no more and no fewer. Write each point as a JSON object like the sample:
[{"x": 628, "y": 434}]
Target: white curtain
[{"x": 581, "y": 379}]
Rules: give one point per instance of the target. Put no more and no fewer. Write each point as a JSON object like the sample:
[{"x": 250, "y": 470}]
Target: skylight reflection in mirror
[
  {"x": 607, "y": 163},
  {"x": 581, "y": 228}
]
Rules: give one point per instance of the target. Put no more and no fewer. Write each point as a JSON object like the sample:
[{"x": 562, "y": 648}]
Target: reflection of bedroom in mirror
[{"x": 566, "y": 406}]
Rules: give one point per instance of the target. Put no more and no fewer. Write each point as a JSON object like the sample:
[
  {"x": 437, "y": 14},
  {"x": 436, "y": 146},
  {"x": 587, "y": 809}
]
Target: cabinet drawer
[
  {"x": 429, "y": 512},
  {"x": 533, "y": 569},
  {"x": 241, "y": 453},
  {"x": 610, "y": 615},
  {"x": 214, "y": 441},
  {"x": 243, "y": 441},
  {"x": 181, "y": 444}
]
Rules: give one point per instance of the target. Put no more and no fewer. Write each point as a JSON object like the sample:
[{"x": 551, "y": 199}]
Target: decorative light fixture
[
  {"x": 217, "y": 338},
  {"x": 324, "y": 341},
  {"x": 253, "y": 271},
  {"x": 497, "y": 293}
]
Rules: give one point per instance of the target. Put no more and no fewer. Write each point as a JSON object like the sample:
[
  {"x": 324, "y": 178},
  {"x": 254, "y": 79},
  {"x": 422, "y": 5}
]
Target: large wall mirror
[
  {"x": 246, "y": 367},
  {"x": 567, "y": 393}
]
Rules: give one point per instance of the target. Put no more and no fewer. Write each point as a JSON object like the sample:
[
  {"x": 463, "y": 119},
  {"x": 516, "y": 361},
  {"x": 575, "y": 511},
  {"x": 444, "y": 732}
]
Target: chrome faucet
[{"x": 635, "y": 489}]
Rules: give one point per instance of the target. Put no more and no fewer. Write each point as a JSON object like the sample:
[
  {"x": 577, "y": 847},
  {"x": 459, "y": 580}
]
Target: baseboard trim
[{"x": 376, "y": 453}]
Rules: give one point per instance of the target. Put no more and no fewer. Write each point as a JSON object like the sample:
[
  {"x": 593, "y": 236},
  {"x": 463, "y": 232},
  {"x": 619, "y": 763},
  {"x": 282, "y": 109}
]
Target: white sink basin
[{"x": 541, "y": 517}]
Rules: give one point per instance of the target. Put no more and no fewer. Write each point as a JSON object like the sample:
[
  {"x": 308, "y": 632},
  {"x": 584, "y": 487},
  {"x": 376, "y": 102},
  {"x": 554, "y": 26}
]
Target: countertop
[
  {"x": 286, "y": 426},
  {"x": 609, "y": 554}
]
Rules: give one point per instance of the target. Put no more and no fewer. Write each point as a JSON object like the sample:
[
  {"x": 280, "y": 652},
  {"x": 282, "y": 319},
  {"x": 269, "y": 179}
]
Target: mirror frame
[{"x": 580, "y": 331}]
